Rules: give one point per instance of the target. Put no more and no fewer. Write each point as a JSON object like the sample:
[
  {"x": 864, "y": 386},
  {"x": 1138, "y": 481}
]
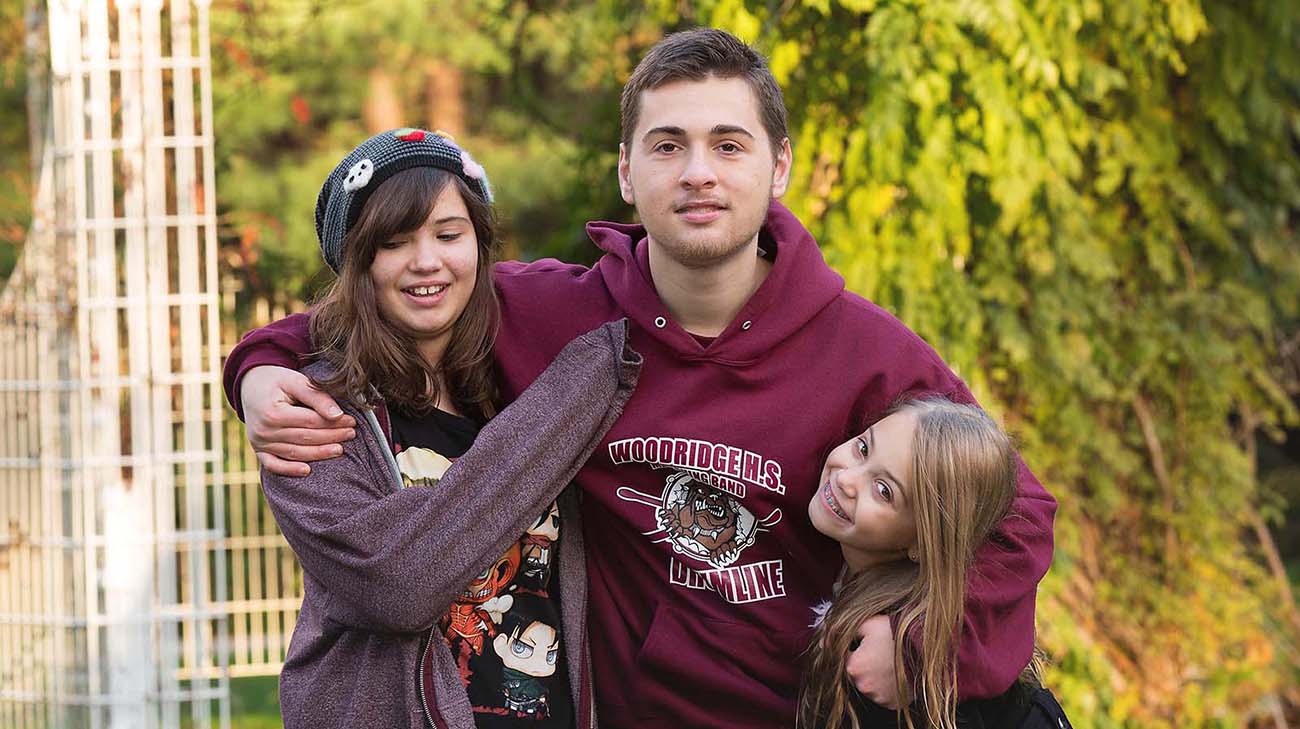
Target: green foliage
[
  {"x": 1087, "y": 206},
  {"x": 295, "y": 83},
  {"x": 15, "y": 162},
  {"x": 255, "y": 702}
]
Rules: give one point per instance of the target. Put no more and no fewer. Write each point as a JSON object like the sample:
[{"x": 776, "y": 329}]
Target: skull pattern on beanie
[{"x": 365, "y": 168}]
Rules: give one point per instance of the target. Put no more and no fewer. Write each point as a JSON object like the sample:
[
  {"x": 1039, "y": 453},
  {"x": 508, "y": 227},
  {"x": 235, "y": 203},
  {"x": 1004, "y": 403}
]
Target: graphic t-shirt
[{"x": 504, "y": 629}]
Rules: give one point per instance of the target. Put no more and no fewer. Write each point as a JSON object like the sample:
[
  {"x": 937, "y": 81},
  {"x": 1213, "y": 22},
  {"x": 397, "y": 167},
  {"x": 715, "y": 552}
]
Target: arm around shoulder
[
  {"x": 394, "y": 559},
  {"x": 283, "y": 343},
  {"x": 997, "y": 632}
]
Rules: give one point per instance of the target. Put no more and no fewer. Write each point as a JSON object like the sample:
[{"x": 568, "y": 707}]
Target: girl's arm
[{"x": 395, "y": 560}]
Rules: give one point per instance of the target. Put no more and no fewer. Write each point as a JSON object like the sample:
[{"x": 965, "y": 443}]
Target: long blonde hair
[{"x": 964, "y": 478}]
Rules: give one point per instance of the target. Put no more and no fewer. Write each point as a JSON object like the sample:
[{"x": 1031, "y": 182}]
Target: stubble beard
[{"x": 700, "y": 252}]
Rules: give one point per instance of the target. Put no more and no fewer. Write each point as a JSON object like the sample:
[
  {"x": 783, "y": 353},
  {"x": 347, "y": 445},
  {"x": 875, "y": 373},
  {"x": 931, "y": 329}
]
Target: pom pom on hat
[{"x": 347, "y": 188}]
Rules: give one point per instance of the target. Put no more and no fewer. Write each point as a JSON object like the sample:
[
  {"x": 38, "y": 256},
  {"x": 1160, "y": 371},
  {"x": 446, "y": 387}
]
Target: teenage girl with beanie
[
  {"x": 910, "y": 500},
  {"x": 442, "y": 517}
]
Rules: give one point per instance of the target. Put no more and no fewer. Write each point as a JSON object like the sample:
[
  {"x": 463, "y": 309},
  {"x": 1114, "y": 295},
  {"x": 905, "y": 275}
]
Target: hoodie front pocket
[{"x": 735, "y": 673}]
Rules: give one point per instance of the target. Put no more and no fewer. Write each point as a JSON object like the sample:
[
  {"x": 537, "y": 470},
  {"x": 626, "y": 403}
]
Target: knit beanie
[{"x": 365, "y": 168}]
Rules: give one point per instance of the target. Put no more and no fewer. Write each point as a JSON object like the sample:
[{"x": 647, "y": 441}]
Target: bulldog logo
[{"x": 700, "y": 521}]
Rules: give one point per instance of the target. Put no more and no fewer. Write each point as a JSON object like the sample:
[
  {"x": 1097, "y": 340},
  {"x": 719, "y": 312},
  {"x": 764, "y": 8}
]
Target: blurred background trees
[
  {"x": 1089, "y": 207},
  {"x": 15, "y": 161}
]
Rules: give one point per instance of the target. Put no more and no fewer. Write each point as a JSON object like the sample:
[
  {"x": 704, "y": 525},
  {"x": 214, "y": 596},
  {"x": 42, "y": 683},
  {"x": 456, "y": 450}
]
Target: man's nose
[{"x": 699, "y": 172}]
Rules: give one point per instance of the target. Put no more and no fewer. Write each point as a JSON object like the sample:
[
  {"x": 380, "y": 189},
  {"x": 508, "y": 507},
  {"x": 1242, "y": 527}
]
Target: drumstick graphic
[
  {"x": 771, "y": 520},
  {"x": 629, "y": 494}
]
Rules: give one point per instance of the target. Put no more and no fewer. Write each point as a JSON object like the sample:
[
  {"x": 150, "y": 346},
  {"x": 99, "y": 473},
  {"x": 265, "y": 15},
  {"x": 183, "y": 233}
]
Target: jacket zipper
[
  {"x": 586, "y": 616},
  {"x": 424, "y": 701},
  {"x": 380, "y": 408},
  {"x": 586, "y": 687},
  {"x": 591, "y": 703}
]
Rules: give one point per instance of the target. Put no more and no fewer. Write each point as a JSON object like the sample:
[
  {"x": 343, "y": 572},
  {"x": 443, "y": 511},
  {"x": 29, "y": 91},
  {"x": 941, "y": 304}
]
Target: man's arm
[
  {"x": 997, "y": 631},
  {"x": 283, "y": 343},
  {"x": 289, "y": 422}
]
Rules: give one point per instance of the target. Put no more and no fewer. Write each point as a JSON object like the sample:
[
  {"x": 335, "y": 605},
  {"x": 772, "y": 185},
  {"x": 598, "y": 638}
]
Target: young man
[{"x": 702, "y": 567}]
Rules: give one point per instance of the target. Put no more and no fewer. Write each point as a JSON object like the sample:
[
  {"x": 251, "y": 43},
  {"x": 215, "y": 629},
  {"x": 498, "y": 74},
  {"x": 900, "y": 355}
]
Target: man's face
[{"x": 700, "y": 170}]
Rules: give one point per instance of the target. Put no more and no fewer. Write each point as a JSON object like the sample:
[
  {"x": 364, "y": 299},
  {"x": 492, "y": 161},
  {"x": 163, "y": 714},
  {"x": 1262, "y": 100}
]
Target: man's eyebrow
[
  {"x": 719, "y": 130},
  {"x": 722, "y": 130},
  {"x": 669, "y": 130},
  {"x": 871, "y": 437}
]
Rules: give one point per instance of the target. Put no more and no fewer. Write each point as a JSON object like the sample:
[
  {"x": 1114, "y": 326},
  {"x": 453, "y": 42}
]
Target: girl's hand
[{"x": 871, "y": 664}]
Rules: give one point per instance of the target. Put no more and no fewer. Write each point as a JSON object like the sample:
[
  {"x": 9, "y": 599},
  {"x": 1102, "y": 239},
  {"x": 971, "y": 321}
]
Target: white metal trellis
[
  {"x": 266, "y": 584},
  {"x": 112, "y": 506}
]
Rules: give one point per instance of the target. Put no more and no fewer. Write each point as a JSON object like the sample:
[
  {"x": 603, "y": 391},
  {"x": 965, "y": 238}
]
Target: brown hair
[
  {"x": 964, "y": 470},
  {"x": 367, "y": 350},
  {"x": 695, "y": 55}
]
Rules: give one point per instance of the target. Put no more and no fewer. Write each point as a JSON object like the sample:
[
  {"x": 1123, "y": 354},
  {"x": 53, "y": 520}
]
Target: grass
[{"x": 255, "y": 703}]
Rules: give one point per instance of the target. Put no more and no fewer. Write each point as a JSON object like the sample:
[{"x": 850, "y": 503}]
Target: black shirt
[
  {"x": 1007, "y": 711},
  {"x": 504, "y": 629}
]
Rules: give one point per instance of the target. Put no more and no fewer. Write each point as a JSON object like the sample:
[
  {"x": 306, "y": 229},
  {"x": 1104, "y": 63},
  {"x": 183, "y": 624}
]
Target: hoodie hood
[{"x": 768, "y": 318}]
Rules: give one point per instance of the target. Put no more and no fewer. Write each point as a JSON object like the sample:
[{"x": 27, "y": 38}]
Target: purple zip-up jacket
[{"x": 382, "y": 564}]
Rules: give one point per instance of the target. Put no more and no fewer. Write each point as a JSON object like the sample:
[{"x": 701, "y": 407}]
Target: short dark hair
[
  {"x": 695, "y": 55},
  {"x": 524, "y": 611}
]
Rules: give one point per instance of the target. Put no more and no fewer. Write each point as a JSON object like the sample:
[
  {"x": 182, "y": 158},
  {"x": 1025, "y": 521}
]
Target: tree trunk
[
  {"x": 446, "y": 100},
  {"x": 383, "y": 108}
]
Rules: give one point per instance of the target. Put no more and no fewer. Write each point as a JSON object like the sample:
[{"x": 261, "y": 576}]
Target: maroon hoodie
[{"x": 703, "y": 566}]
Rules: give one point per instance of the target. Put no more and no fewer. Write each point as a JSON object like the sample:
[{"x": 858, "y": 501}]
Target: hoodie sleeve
[
  {"x": 394, "y": 561},
  {"x": 997, "y": 631},
  {"x": 284, "y": 343}
]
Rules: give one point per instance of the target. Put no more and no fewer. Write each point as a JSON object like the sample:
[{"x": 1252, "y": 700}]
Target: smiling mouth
[
  {"x": 425, "y": 290},
  {"x": 828, "y": 498}
]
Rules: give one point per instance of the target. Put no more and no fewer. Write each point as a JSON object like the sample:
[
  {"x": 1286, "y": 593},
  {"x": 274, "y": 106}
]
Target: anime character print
[
  {"x": 503, "y": 630},
  {"x": 474, "y": 615},
  {"x": 529, "y": 649},
  {"x": 421, "y": 466},
  {"x": 538, "y": 547}
]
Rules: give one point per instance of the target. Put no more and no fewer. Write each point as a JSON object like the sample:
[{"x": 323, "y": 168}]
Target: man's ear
[
  {"x": 625, "y": 175},
  {"x": 781, "y": 168}
]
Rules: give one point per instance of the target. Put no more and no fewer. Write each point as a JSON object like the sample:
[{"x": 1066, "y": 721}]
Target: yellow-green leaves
[{"x": 1088, "y": 207}]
